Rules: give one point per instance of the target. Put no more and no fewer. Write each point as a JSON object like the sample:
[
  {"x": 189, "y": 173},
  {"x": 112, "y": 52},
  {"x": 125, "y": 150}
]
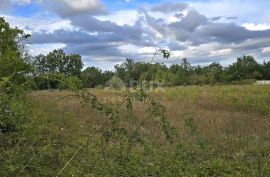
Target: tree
[
  {"x": 11, "y": 61},
  {"x": 57, "y": 63},
  {"x": 214, "y": 73},
  {"x": 124, "y": 70},
  {"x": 266, "y": 70},
  {"x": 186, "y": 65},
  {"x": 92, "y": 77},
  {"x": 180, "y": 74},
  {"x": 11, "y": 39},
  {"x": 14, "y": 72},
  {"x": 74, "y": 65},
  {"x": 246, "y": 67},
  {"x": 40, "y": 64}
]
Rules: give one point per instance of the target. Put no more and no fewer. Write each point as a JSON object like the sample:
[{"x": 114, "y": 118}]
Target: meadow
[
  {"x": 53, "y": 124},
  {"x": 221, "y": 131}
]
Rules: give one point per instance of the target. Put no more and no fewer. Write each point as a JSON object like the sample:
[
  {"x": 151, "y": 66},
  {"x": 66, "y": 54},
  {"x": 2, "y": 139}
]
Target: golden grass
[{"x": 228, "y": 118}]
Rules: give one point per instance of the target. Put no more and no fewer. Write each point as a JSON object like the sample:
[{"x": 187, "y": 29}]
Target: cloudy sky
[{"x": 105, "y": 32}]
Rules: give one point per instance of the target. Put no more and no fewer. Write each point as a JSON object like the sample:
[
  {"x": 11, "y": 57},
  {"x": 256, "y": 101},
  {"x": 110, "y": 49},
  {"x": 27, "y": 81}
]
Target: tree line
[{"x": 245, "y": 70}]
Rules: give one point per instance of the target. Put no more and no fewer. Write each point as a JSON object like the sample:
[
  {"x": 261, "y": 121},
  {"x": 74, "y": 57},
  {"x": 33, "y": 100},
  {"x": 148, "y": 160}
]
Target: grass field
[{"x": 223, "y": 131}]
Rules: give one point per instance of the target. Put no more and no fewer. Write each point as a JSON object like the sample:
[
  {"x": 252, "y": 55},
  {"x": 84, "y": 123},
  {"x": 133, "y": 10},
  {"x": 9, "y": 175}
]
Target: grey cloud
[
  {"x": 157, "y": 24},
  {"x": 174, "y": 45},
  {"x": 231, "y": 18},
  {"x": 92, "y": 24},
  {"x": 82, "y": 42},
  {"x": 103, "y": 44},
  {"x": 5, "y": 5},
  {"x": 220, "y": 17},
  {"x": 73, "y": 37},
  {"x": 95, "y": 49},
  {"x": 216, "y": 18},
  {"x": 198, "y": 29},
  {"x": 169, "y": 7},
  {"x": 253, "y": 47},
  {"x": 251, "y": 44},
  {"x": 191, "y": 21},
  {"x": 101, "y": 39},
  {"x": 179, "y": 15},
  {"x": 183, "y": 35},
  {"x": 224, "y": 32}
]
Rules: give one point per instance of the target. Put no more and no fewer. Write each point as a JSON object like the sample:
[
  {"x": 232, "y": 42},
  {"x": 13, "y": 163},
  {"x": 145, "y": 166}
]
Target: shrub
[
  {"x": 116, "y": 83},
  {"x": 71, "y": 82},
  {"x": 13, "y": 114}
]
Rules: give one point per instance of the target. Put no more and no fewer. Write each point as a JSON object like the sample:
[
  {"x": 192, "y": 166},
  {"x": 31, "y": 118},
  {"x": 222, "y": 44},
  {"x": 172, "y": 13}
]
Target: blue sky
[{"x": 105, "y": 32}]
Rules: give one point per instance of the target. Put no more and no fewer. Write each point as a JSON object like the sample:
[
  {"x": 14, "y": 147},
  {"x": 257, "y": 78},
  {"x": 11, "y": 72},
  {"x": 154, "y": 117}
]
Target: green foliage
[
  {"x": 245, "y": 68},
  {"x": 166, "y": 54},
  {"x": 13, "y": 78},
  {"x": 265, "y": 70},
  {"x": 71, "y": 82},
  {"x": 56, "y": 62},
  {"x": 10, "y": 64},
  {"x": 11, "y": 39},
  {"x": 93, "y": 77},
  {"x": 13, "y": 114}
]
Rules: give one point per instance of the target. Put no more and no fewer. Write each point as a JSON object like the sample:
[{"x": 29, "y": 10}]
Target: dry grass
[
  {"x": 228, "y": 118},
  {"x": 224, "y": 130}
]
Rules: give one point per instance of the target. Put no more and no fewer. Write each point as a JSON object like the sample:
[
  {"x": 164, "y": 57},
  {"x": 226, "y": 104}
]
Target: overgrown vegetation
[
  {"x": 13, "y": 77},
  {"x": 180, "y": 131}
]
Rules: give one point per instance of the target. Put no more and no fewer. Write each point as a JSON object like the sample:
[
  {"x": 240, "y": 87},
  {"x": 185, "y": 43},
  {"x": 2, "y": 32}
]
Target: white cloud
[
  {"x": 36, "y": 49},
  {"x": 168, "y": 17},
  {"x": 147, "y": 50},
  {"x": 67, "y": 8},
  {"x": 22, "y": 2},
  {"x": 38, "y": 24},
  {"x": 82, "y": 4},
  {"x": 256, "y": 27},
  {"x": 220, "y": 52},
  {"x": 121, "y": 17},
  {"x": 129, "y": 49},
  {"x": 266, "y": 50}
]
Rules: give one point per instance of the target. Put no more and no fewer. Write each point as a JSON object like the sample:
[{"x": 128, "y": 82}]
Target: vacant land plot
[{"x": 219, "y": 131}]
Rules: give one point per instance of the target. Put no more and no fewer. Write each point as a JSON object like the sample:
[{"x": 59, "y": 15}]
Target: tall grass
[{"x": 222, "y": 131}]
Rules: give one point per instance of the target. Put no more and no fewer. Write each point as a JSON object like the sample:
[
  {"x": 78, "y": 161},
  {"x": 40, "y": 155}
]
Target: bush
[
  {"x": 116, "y": 83},
  {"x": 13, "y": 114},
  {"x": 71, "y": 82}
]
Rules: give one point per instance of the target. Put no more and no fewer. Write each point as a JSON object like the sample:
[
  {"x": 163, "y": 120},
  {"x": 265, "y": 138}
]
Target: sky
[{"x": 106, "y": 32}]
